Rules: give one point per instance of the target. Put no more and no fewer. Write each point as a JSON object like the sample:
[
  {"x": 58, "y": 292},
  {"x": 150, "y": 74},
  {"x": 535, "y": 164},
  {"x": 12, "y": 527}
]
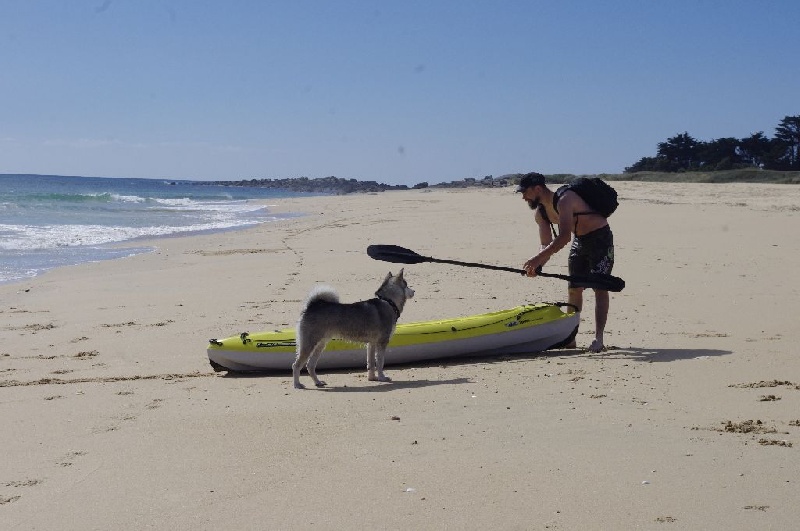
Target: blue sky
[{"x": 398, "y": 92}]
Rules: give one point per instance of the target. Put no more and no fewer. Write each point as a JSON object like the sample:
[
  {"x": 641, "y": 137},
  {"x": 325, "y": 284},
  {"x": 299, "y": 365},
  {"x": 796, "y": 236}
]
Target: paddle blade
[
  {"x": 395, "y": 254},
  {"x": 592, "y": 280},
  {"x": 604, "y": 282}
]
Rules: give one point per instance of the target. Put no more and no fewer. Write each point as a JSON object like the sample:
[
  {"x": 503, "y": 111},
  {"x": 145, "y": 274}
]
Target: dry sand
[{"x": 113, "y": 419}]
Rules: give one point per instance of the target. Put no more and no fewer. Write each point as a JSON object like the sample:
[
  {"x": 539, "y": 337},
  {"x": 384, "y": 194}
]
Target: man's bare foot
[{"x": 596, "y": 346}]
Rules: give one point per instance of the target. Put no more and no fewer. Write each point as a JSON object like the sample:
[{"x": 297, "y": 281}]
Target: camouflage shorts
[{"x": 592, "y": 253}]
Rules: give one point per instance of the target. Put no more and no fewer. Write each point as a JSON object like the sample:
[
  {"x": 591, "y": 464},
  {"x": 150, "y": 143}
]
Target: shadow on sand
[
  {"x": 369, "y": 387},
  {"x": 649, "y": 355},
  {"x": 653, "y": 355},
  {"x": 394, "y": 385}
]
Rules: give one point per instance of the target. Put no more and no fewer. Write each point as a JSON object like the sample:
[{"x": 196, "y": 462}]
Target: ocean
[{"x": 52, "y": 221}]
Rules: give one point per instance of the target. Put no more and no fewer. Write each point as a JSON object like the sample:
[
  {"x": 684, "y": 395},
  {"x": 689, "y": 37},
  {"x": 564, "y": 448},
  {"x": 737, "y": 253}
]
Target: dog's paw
[
  {"x": 298, "y": 385},
  {"x": 320, "y": 383},
  {"x": 381, "y": 378}
]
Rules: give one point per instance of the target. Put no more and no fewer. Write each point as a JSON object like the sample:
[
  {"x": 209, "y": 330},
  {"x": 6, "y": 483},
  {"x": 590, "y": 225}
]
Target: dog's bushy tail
[{"x": 321, "y": 293}]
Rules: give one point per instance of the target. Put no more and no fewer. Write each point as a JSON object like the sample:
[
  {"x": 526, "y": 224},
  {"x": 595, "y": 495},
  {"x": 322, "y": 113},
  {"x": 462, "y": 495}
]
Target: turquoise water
[{"x": 53, "y": 221}]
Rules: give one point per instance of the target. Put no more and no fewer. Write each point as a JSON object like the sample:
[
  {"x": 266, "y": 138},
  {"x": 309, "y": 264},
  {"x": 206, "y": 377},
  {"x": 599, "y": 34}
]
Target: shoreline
[
  {"x": 140, "y": 245},
  {"x": 107, "y": 393},
  {"x": 53, "y": 221}
]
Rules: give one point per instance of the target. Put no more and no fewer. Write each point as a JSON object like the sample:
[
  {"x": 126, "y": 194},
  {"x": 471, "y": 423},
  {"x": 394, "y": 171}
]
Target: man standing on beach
[{"x": 592, "y": 248}]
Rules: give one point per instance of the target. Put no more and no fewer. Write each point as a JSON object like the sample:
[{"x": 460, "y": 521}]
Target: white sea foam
[
  {"x": 181, "y": 202},
  {"x": 128, "y": 198},
  {"x": 234, "y": 207},
  {"x": 52, "y": 221},
  {"x": 28, "y": 238}
]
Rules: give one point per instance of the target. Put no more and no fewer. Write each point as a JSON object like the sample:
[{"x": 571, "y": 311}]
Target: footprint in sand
[
  {"x": 118, "y": 325},
  {"x": 773, "y": 442},
  {"x": 24, "y": 483},
  {"x": 33, "y": 328},
  {"x": 162, "y": 323},
  {"x": 763, "y": 383},
  {"x": 768, "y": 398},
  {"x": 118, "y": 422},
  {"x": 17, "y": 484},
  {"x": 746, "y": 426},
  {"x": 118, "y": 425},
  {"x": 70, "y": 457}
]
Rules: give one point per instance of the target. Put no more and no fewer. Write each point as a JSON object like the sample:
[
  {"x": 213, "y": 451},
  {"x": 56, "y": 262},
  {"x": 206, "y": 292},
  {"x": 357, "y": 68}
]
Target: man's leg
[
  {"x": 601, "y": 304},
  {"x": 575, "y": 298}
]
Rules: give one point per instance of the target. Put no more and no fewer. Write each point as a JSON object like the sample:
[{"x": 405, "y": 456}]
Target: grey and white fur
[{"x": 372, "y": 322}]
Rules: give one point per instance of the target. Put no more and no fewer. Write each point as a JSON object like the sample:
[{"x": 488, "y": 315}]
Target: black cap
[{"x": 530, "y": 179}]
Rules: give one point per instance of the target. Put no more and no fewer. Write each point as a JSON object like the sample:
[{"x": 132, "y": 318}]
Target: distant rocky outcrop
[
  {"x": 486, "y": 182},
  {"x": 339, "y": 186},
  {"x": 323, "y": 185}
]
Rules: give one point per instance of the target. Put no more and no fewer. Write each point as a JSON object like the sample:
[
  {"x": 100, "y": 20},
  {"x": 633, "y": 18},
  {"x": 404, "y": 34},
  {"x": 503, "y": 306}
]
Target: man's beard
[{"x": 534, "y": 203}]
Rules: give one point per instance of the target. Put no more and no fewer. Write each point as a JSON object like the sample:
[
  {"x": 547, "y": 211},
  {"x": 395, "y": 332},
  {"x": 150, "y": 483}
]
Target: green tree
[
  {"x": 679, "y": 152},
  {"x": 787, "y": 136},
  {"x": 684, "y": 153},
  {"x": 754, "y": 150},
  {"x": 644, "y": 164},
  {"x": 719, "y": 154}
]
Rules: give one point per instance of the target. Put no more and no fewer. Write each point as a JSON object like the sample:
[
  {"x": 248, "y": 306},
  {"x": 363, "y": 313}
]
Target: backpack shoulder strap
[
  {"x": 557, "y": 195},
  {"x": 543, "y": 213}
]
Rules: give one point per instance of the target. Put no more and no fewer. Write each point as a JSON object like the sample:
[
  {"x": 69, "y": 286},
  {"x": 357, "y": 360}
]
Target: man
[{"x": 592, "y": 248}]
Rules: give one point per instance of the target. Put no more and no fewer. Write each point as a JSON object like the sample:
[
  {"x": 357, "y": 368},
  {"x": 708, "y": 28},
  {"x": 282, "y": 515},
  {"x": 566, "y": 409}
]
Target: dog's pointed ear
[
  {"x": 388, "y": 276},
  {"x": 400, "y": 274}
]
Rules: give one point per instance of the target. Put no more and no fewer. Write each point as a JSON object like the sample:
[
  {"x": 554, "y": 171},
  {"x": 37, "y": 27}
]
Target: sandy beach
[{"x": 112, "y": 417}]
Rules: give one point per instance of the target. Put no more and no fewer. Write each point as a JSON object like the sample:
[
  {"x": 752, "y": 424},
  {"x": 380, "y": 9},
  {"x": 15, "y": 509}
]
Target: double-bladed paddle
[{"x": 401, "y": 255}]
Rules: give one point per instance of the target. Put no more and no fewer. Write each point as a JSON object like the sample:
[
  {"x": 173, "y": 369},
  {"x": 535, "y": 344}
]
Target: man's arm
[{"x": 566, "y": 207}]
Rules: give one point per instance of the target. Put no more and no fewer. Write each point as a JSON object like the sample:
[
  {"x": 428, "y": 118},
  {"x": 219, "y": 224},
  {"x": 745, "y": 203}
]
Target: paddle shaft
[
  {"x": 496, "y": 268},
  {"x": 539, "y": 272},
  {"x": 472, "y": 264}
]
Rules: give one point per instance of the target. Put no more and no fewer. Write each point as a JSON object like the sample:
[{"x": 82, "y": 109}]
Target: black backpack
[{"x": 596, "y": 192}]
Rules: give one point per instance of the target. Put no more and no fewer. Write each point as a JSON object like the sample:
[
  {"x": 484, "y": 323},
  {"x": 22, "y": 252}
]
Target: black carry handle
[{"x": 401, "y": 255}]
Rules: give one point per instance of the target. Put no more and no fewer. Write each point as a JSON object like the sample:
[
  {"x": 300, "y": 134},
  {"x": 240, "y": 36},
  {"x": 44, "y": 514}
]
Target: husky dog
[{"x": 371, "y": 322}]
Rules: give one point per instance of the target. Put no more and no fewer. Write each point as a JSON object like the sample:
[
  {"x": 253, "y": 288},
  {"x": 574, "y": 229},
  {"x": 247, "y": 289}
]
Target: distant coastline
[
  {"x": 340, "y": 186},
  {"x": 337, "y": 185}
]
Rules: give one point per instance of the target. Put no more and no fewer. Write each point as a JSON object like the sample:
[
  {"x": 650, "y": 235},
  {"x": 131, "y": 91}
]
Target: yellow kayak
[{"x": 520, "y": 330}]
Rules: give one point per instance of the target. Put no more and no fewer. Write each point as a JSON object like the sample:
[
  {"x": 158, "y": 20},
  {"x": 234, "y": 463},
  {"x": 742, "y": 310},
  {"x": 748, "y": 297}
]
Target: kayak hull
[{"x": 525, "y": 329}]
